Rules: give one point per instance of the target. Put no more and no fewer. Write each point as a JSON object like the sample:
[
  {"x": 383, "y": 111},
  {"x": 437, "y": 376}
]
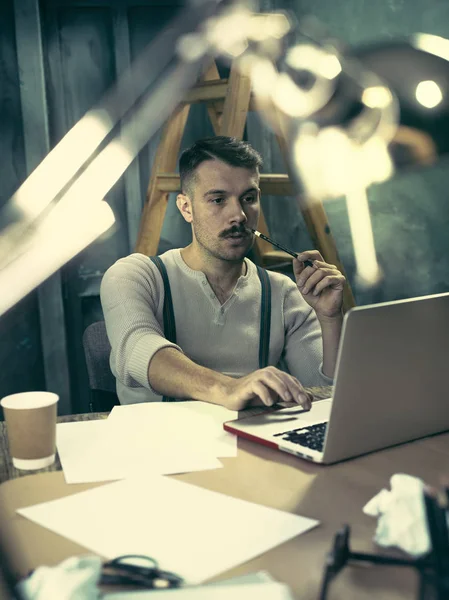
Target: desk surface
[
  {"x": 8, "y": 471},
  {"x": 333, "y": 494}
]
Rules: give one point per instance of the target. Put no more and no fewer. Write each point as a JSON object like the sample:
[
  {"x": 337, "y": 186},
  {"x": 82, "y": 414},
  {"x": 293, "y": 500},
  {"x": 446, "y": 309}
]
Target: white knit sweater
[{"x": 224, "y": 338}]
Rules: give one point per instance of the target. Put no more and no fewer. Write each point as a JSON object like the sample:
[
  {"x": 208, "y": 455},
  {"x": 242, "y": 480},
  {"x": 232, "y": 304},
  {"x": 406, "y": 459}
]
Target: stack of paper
[{"x": 162, "y": 438}]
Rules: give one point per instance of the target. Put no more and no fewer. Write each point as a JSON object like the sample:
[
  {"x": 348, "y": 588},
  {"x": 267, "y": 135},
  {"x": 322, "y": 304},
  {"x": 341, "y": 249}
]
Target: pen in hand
[{"x": 307, "y": 263}]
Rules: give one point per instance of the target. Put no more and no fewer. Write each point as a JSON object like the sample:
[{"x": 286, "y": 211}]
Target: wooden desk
[
  {"x": 333, "y": 494},
  {"x": 8, "y": 471}
]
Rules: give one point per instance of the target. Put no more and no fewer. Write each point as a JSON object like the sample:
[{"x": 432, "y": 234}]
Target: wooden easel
[{"x": 228, "y": 102}]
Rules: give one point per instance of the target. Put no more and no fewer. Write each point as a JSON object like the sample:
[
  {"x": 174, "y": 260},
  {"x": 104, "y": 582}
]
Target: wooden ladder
[{"x": 228, "y": 102}]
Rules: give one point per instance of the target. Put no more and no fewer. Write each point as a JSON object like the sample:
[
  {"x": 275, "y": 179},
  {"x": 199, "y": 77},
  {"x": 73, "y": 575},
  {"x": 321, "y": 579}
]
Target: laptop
[{"x": 390, "y": 386}]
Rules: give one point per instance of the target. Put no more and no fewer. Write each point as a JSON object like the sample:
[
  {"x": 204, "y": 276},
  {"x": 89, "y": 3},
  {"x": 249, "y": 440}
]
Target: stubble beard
[{"x": 213, "y": 247}]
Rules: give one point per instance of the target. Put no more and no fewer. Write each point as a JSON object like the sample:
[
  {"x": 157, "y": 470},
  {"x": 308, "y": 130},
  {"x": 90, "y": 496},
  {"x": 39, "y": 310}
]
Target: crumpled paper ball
[
  {"x": 401, "y": 515},
  {"x": 75, "y": 578}
]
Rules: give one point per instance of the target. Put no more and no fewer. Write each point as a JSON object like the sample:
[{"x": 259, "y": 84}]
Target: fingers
[
  {"x": 271, "y": 379},
  {"x": 324, "y": 265},
  {"x": 315, "y": 278},
  {"x": 268, "y": 386},
  {"x": 264, "y": 393},
  {"x": 303, "y": 275},
  {"x": 299, "y": 267},
  {"x": 311, "y": 255},
  {"x": 271, "y": 384},
  {"x": 336, "y": 282},
  {"x": 297, "y": 392},
  {"x": 298, "y": 263},
  {"x": 306, "y": 404},
  {"x": 319, "y": 277}
]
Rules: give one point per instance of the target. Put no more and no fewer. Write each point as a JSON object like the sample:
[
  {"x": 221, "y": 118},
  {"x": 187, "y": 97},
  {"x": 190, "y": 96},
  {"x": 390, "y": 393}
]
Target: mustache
[{"x": 236, "y": 229}]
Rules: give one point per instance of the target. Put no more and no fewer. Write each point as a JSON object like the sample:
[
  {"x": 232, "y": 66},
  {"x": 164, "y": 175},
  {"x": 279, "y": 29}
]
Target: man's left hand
[{"x": 321, "y": 285}]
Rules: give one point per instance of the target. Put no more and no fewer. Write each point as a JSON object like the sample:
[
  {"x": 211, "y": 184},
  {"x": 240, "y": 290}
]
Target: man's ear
[{"x": 184, "y": 205}]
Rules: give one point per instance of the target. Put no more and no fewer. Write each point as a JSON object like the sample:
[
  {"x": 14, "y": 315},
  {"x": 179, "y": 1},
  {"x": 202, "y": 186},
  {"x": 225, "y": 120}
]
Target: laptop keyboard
[{"x": 311, "y": 437}]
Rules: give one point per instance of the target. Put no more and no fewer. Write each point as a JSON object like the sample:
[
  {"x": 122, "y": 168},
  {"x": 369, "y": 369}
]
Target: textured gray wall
[
  {"x": 356, "y": 21},
  {"x": 21, "y": 365}
]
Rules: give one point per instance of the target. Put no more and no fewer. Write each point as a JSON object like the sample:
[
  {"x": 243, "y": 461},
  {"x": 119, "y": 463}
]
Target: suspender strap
[
  {"x": 265, "y": 317},
  {"x": 168, "y": 313}
]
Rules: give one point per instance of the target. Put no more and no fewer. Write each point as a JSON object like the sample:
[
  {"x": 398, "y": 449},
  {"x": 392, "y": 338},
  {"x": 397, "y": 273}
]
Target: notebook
[{"x": 390, "y": 386}]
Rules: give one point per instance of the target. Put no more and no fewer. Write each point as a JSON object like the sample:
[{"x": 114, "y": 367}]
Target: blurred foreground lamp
[
  {"x": 60, "y": 209},
  {"x": 354, "y": 117}
]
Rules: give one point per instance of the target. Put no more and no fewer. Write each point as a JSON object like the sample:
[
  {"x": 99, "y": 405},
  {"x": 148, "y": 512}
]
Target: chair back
[{"x": 97, "y": 351}]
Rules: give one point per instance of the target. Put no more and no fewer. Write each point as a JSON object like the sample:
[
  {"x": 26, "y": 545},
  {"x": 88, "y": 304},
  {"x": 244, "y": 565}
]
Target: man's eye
[
  {"x": 249, "y": 199},
  {"x": 217, "y": 200}
]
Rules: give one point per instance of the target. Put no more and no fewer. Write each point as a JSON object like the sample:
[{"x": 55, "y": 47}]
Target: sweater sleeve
[
  {"x": 132, "y": 297},
  {"x": 303, "y": 349}
]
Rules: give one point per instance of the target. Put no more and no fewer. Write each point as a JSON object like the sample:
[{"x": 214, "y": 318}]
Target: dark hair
[{"x": 230, "y": 150}]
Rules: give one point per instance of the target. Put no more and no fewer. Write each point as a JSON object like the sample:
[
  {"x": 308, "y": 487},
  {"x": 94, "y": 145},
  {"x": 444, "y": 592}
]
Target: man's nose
[{"x": 236, "y": 212}]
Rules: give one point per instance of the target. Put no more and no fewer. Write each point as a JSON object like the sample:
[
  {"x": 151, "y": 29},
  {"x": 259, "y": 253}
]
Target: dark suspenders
[
  {"x": 169, "y": 315},
  {"x": 265, "y": 313},
  {"x": 265, "y": 318}
]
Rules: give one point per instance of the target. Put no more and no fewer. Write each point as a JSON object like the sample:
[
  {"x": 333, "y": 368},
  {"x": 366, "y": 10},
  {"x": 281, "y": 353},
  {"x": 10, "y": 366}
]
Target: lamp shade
[
  {"x": 393, "y": 91},
  {"x": 419, "y": 78}
]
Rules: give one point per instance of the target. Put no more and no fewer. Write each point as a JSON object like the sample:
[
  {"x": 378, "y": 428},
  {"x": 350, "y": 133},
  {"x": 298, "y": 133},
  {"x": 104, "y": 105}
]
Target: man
[{"x": 216, "y": 294}]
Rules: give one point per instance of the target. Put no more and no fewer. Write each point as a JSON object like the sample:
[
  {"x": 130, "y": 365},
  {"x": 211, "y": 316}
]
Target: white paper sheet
[
  {"x": 227, "y": 442},
  {"x": 89, "y": 452},
  {"x": 192, "y": 531},
  {"x": 181, "y": 425},
  {"x": 249, "y": 591},
  {"x": 240, "y": 582}
]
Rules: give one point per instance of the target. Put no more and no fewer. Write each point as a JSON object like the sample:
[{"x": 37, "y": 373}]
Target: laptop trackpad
[{"x": 289, "y": 418}]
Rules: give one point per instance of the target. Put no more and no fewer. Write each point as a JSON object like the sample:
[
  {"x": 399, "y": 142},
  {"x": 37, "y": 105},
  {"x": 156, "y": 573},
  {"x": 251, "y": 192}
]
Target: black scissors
[{"x": 124, "y": 570}]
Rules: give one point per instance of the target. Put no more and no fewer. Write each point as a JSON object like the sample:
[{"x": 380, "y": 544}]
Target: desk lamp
[{"x": 60, "y": 209}]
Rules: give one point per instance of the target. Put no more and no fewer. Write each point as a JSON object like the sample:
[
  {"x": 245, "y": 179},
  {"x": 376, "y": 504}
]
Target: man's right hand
[
  {"x": 173, "y": 374},
  {"x": 264, "y": 387}
]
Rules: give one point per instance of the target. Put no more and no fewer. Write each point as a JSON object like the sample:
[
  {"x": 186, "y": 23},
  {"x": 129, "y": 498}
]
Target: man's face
[{"x": 226, "y": 201}]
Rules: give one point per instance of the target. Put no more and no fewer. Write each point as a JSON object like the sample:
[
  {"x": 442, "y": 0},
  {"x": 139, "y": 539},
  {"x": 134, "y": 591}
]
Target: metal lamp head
[
  {"x": 365, "y": 113},
  {"x": 417, "y": 71}
]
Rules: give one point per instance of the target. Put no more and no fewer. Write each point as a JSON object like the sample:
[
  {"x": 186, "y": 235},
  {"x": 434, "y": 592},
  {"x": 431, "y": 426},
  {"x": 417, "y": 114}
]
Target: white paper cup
[{"x": 31, "y": 426}]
